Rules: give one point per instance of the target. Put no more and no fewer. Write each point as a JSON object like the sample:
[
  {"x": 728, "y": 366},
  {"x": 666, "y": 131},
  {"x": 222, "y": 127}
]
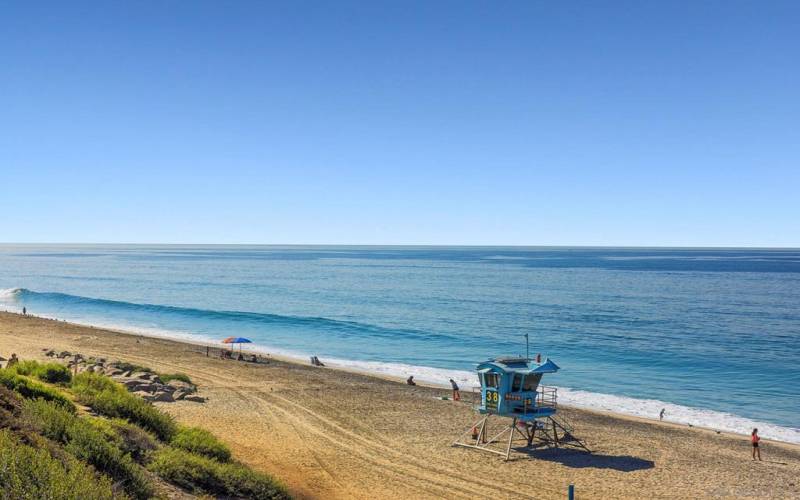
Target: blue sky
[{"x": 530, "y": 123}]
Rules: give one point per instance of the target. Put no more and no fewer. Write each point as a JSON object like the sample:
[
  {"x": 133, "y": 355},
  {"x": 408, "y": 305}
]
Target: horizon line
[{"x": 413, "y": 245}]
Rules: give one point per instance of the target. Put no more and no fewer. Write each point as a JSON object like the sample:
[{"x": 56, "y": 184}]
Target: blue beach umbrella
[{"x": 237, "y": 340}]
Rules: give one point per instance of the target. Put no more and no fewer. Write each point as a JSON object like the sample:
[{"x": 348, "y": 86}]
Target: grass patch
[
  {"x": 90, "y": 440},
  {"x": 130, "y": 367},
  {"x": 112, "y": 399},
  {"x": 31, "y": 389},
  {"x": 53, "y": 373},
  {"x": 202, "y": 442},
  {"x": 205, "y": 475},
  {"x": 175, "y": 376},
  {"x": 28, "y": 472}
]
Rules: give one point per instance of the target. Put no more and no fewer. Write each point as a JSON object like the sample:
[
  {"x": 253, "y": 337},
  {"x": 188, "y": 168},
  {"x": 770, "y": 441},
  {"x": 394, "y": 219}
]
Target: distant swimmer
[
  {"x": 661, "y": 415},
  {"x": 754, "y": 439},
  {"x": 456, "y": 393},
  {"x": 410, "y": 380}
]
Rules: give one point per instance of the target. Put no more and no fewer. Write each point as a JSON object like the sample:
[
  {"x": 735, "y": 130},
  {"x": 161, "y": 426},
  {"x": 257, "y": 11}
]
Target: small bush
[
  {"x": 134, "y": 440},
  {"x": 92, "y": 440},
  {"x": 32, "y": 390},
  {"x": 202, "y": 442},
  {"x": 175, "y": 376},
  {"x": 112, "y": 399},
  {"x": 90, "y": 384},
  {"x": 53, "y": 373},
  {"x": 130, "y": 367},
  {"x": 27, "y": 472},
  {"x": 205, "y": 475},
  {"x": 89, "y": 444},
  {"x": 49, "y": 419}
]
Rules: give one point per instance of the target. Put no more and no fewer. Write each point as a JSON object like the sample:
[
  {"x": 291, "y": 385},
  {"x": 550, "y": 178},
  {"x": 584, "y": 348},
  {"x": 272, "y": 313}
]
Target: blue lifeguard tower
[{"x": 510, "y": 387}]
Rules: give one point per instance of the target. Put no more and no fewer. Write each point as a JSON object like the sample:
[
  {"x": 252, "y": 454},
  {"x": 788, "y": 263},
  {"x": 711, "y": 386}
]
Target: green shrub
[
  {"x": 89, "y": 444},
  {"x": 130, "y": 367},
  {"x": 175, "y": 376},
  {"x": 112, "y": 399},
  {"x": 49, "y": 419},
  {"x": 134, "y": 440},
  {"x": 90, "y": 384},
  {"x": 202, "y": 442},
  {"x": 54, "y": 373},
  {"x": 27, "y": 472},
  {"x": 32, "y": 390},
  {"x": 200, "y": 474},
  {"x": 89, "y": 439}
]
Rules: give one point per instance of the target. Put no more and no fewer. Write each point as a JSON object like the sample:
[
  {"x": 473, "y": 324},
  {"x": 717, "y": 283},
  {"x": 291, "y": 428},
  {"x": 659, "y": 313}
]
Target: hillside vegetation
[{"x": 87, "y": 437}]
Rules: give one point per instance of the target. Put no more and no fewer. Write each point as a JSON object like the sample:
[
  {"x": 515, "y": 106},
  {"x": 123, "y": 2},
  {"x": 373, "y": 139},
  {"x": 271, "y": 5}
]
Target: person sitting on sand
[
  {"x": 456, "y": 393},
  {"x": 754, "y": 439},
  {"x": 12, "y": 361},
  {"x": 410, "y": 380}
]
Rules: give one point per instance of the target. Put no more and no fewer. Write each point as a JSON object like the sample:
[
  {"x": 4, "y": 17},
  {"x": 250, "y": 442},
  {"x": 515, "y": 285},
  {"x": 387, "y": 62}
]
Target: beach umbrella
[{"x": 237, "y": 340}]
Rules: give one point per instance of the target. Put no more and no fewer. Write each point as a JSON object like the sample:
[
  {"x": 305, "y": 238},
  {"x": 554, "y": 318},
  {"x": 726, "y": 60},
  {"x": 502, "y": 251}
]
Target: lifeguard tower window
[
  {"x": 492, "y": 380},
  {"x": 531, "y": 382},
  {"x": 517, "y": 383}
]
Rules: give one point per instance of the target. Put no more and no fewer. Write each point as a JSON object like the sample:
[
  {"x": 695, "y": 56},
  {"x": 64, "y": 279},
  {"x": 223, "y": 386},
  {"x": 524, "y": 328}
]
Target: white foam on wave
[{"x": 467, "y": 380}]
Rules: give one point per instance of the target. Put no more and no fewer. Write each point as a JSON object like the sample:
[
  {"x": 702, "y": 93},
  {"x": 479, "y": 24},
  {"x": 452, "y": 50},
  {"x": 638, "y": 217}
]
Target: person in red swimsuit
[{"x": 754, "y": 439}]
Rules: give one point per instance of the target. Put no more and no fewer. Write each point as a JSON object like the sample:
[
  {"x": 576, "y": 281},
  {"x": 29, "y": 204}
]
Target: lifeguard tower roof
[{"x": 519, "y": 365}]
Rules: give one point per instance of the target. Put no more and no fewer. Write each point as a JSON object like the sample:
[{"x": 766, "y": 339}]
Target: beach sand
[{"x": 337, "y": 434}]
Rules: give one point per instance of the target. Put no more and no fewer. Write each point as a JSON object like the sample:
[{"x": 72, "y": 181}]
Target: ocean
[{"x": 711, "y": 335}]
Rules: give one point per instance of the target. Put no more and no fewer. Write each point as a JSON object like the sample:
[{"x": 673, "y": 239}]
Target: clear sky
[{"x": 437, "y": 122}]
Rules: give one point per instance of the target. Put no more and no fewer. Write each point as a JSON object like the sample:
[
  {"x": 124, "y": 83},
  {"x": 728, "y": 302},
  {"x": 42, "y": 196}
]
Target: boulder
[
  {"x": 179, "y": 394},
  {"x": 163, "y": 397},
  {"x": 195, "y": 398},
  {"x": 50, "y": 353},
  {"x": 179, "y": 384},
  {"x": 64, "y": 354},
  {"x": 143, "y": 375}
]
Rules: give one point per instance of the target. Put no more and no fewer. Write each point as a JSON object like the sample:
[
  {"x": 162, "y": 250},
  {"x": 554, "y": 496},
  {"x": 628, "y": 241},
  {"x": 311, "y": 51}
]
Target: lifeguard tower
[{"x": 510, "y": 388}]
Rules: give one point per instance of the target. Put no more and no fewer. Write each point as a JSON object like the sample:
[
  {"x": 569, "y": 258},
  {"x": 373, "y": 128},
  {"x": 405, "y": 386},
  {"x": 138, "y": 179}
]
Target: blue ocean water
[{"x": 712, "y": 335}]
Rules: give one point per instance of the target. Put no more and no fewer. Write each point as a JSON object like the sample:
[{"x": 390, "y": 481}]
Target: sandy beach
[{"x": 337, "y": 434}]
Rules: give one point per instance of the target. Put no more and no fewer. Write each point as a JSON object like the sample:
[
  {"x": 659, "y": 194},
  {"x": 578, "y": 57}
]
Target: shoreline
[
  {"x": 337, "y": 365},
  {"x": 333, "y": 433},
  {"x": 342, "y": 365}
]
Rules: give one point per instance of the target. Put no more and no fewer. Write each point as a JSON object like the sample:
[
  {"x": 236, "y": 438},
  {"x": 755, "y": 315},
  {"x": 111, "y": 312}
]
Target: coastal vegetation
[{"x": 51, "y": 447}]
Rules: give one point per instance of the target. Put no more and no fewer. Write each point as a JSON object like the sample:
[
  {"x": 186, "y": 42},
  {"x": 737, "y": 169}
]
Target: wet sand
[{"x": 337, "y": 434}]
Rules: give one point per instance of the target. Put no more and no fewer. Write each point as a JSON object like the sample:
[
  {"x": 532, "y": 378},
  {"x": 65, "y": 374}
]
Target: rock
[
  {"x": 101, "y": 360},
  {"x": 163, "y": 397},
  {"x": 195, "y": 398},
  {"x": 179, "y": 394},
  {"x": 144, "y": 395},
  {"x": 64, "y": 354},
  {"x": 50, "y": 353},
  {"x": 143, "y": 375},
  {"x": 179, "y": 384}
]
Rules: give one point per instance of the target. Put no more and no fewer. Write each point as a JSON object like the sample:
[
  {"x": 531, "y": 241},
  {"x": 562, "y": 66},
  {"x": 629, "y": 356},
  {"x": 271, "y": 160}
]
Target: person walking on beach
[
  {"x": 24, "y": 311},
  {"x": 661, "y": 415},
  {"x": 456, "y": 393},
  {"x": 754, "y": 439}
]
